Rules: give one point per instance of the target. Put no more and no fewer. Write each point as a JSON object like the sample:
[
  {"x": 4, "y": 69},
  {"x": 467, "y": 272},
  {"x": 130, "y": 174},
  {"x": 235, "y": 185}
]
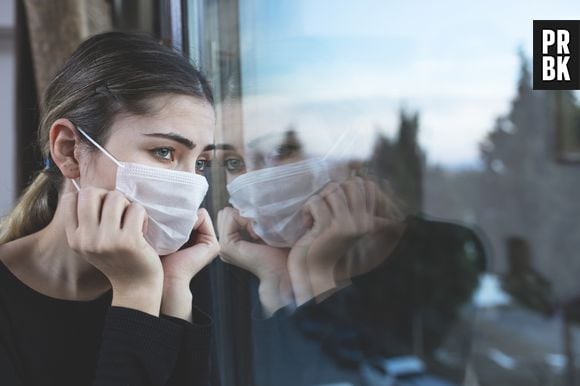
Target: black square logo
[{"x": 556, "y": 55}]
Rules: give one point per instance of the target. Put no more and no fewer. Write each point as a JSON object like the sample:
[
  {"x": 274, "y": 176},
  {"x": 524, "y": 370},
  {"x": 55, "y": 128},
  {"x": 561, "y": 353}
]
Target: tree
[{"x": 401, "y": 162}]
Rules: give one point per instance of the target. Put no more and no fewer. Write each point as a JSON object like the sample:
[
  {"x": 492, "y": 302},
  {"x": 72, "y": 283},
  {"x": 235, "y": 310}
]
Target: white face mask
[
  {"x": 171, "y": 199},
  {"x": 273, "y": 198}
]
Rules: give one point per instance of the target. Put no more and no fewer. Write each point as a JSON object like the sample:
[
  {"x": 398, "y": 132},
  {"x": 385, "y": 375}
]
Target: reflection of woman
[
  {"x": 367, "y": 284},
  {"x": 341, "y": 214},
  {"x": 85, "y": 297}
]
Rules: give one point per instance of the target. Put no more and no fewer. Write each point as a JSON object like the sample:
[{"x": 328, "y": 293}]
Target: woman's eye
[
  {"x": 200, "y": 165},
  {"x": 164, "y": 153},
  {"x": 234, "y": 165}
]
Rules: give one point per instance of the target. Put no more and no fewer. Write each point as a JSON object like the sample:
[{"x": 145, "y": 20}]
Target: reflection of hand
[
  {"x": 266, "y": 262},
  {"x": 341, "y": 214},
  {"x": 181, "y": 266},
  {"x": 107, "y": 231},
  {"x": 376, "y": 245}
]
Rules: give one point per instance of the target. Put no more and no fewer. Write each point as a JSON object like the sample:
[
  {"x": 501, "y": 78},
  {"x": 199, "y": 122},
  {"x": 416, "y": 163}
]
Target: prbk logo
[{"x": 556, "y": 55}]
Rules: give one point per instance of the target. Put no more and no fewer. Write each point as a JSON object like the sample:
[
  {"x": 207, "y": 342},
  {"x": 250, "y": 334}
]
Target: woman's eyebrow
[{"x": 174, "y": 137}]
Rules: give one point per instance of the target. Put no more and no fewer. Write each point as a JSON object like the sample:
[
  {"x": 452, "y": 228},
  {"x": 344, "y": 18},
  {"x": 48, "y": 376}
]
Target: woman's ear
[{"x": 64, "y": 144}]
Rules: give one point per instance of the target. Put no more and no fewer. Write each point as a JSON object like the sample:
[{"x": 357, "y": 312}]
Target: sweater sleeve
[
  {"x": 137, "y": 349},
  {"x": 193, "y": 363}
]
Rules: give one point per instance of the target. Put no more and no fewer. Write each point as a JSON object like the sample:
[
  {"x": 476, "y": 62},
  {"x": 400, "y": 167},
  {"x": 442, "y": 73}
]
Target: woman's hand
[
  {"x": 181, "y": 266},
  {"x": 266, "y": 262},
  {"x": 107, "y": 231},
  {"x": 340, "y": 215}
]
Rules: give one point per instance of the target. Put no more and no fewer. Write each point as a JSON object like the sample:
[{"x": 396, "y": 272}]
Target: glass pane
[{"x": 395, "y": 204}]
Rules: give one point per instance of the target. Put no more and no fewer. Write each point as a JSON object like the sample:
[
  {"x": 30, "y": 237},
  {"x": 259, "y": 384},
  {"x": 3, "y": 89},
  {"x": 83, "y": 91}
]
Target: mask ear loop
[
  {"x": 76, "y": 185},
  {"x": 338, "y": 142},
  {"x": 100, "y": 148}
]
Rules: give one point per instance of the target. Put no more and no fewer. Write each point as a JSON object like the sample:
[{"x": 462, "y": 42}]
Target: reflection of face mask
[
  {"x": 171, "y": 199},
  {"x": 273, "y": 198}
]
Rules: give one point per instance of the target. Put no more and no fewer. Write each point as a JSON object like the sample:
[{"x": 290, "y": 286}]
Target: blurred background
[{"x": 434, "y": 97}]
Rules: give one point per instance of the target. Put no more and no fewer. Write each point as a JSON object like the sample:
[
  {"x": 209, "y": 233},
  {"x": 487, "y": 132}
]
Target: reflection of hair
[{"x": 108, "y": 74}]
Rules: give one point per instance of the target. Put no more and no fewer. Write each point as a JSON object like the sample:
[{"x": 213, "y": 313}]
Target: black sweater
[{"x": 49, "y": 341}]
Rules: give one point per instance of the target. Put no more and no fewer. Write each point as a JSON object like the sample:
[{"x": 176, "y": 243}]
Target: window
[{"x": 467, "y": 272}]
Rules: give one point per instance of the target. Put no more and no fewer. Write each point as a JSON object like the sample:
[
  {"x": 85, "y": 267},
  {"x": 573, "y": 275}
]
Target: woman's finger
[
  {"x": 228, "y": 226},
  {"x": 114, "y": 205},
  {"x": 69, "y": 202},
  {"x": 371, "y": 195},
  {"x": 338, "y": 203},
  {"x": 317, "y": 208},
  {"x": 204, "y": 225},
  {"x": 356, "y": 195},
  {"x": 90, "y": 201},
  {"x": 135, "y": 218}
]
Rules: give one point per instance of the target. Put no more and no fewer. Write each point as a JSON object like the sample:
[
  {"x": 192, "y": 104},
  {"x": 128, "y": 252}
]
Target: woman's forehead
[{"x": 186, "y": 116}]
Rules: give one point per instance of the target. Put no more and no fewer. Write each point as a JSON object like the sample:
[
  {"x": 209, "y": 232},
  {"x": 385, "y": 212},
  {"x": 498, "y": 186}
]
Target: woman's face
[{"x": 177, "y": 136}]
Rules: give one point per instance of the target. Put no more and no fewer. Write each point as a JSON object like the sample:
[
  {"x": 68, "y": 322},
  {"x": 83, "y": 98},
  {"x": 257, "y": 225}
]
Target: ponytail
[{"x": 34, "y": 209}]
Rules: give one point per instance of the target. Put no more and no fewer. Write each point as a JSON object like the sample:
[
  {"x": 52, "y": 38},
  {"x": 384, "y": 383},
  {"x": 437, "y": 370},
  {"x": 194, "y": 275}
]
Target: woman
[{"x": 97, "y": 257}]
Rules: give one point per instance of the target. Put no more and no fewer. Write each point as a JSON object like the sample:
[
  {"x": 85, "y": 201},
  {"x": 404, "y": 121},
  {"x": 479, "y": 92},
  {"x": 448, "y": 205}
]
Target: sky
[{"x": 343, "y": 69}]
